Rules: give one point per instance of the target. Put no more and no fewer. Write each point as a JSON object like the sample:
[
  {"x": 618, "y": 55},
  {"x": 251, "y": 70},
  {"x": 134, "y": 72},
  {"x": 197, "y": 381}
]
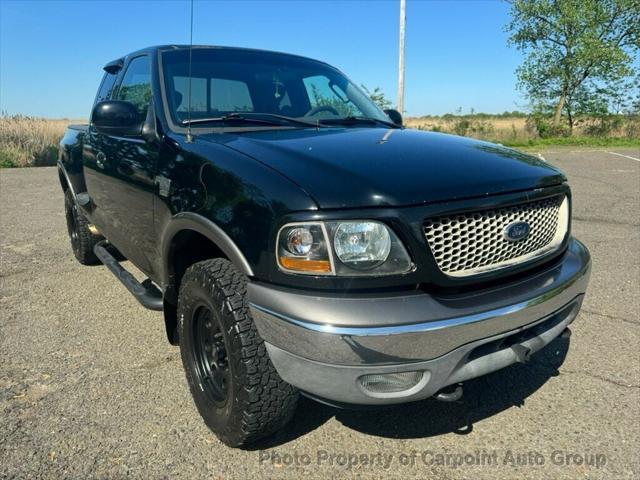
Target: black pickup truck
[{"x": 300, "y": 240}]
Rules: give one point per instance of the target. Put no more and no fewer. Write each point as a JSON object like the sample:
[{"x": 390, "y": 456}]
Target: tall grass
[
  {"x": 29, "y": 141},
  {"x": 520, "y": 130}
]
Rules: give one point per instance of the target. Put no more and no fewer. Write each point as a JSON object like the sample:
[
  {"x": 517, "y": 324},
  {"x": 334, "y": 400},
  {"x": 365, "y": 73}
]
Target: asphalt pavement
[{"x": 90, "y": 388}]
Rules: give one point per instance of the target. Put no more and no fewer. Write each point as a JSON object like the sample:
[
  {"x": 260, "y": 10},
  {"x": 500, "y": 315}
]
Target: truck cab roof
[{"x": 118, "y": 63}]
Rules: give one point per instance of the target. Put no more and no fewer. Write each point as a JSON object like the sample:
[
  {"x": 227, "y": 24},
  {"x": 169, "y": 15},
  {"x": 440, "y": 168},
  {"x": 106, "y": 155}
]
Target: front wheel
[{"x": 234, "y": 385}]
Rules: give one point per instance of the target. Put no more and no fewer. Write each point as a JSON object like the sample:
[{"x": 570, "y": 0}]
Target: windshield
[{"x": 234, "y": 81}]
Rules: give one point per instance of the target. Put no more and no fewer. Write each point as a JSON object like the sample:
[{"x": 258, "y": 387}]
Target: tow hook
[
  {"x": 450, "y": 393},
  {"x": 523, "y": 353}
]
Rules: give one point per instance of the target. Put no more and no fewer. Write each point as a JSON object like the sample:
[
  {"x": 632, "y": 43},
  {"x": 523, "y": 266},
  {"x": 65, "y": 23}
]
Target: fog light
[{"x": 390, "y": 382}]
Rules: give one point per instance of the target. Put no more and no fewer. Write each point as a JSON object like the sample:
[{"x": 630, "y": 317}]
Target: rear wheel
[
  {"x": 234, "y": 385},
  {"x": 82, "y": 240}
]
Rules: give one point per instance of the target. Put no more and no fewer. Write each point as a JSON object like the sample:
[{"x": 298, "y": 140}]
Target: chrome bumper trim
[
  {"x": 339, "y": 383},
  {"x": 283, "y": 317}
]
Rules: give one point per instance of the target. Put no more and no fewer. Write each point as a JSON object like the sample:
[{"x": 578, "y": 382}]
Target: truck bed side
[{"x": 70, "y": 158}]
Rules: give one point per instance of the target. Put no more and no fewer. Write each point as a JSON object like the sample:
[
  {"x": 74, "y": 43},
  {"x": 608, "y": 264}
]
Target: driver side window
[{"x": 136, "y": 85}]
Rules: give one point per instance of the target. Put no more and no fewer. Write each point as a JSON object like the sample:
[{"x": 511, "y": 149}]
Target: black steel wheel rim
[{"x": 210, "y": 355}]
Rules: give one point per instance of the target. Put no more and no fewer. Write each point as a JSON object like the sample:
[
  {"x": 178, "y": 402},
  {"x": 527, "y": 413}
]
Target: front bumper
[{"x": 323, "y": 344}]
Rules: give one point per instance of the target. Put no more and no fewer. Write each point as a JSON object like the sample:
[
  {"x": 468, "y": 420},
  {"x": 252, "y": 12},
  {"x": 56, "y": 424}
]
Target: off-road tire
[
  {"x": 82, "y": 240},
  {"x": 258, "y": 402}
]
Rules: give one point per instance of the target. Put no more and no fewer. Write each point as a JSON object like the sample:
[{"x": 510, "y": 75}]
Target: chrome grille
[{"x": 471, "y": 243}]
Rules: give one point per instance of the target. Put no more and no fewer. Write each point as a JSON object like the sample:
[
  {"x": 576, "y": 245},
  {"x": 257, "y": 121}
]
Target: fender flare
[
  {"x": 66, "y": 177},
  {"x": 197, "y": 223},
  {"x": 204, "y": 226}
]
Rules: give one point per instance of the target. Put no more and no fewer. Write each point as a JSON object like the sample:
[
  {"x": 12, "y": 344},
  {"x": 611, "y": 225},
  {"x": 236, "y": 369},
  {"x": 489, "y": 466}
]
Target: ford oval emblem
[{"x": 516, "y": 231}]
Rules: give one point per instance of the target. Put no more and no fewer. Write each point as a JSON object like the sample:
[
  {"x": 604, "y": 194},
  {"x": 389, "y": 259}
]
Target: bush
[
  {"x": 477, "y": 126},
  {"x": 632, "y": 127},
  {"x": 9, "y": 157},
  {"x": 604, "y": 126},
  {"x": 461, "y": 126},
  {"x": 544, "y": 127}
]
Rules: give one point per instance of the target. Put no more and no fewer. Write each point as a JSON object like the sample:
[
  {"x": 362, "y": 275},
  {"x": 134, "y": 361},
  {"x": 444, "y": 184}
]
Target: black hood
[{"x": 364, "y": 167}]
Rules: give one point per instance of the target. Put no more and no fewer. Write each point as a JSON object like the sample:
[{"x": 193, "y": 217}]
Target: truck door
[
  {"x": 91, "y": 146},
  {"x": 123, "y": 174}
]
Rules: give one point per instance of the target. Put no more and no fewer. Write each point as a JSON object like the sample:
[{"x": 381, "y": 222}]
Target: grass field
[
  {"x": 521, "y": 131},
  {"x": 29, "y": 141}
]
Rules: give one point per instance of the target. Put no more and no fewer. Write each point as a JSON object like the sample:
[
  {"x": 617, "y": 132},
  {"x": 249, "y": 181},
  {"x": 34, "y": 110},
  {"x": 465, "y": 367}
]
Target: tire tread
[{"x": 266, "y": 402}]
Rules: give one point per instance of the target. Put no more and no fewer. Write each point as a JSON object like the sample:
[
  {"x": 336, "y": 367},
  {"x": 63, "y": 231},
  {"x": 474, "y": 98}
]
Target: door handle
[{"x": 100, "y": 159}]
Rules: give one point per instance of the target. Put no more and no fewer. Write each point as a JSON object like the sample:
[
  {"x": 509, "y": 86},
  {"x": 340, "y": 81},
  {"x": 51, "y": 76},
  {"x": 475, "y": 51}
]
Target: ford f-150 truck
[{"x": 299, "y": 239}]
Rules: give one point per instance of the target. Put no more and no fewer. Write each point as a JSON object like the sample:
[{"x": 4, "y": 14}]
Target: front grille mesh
[{"x": 470, "y": 243}]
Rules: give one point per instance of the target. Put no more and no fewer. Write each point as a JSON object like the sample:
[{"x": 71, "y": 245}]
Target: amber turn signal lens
[{"x": 302, "y": 265}]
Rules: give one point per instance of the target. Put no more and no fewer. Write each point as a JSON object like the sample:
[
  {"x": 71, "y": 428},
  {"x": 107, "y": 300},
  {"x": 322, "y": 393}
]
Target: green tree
[
  {"x": 378, "y": 97},
  {"x": 578, "y": 52}
]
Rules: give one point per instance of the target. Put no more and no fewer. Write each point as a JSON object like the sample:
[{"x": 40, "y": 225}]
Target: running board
[{"x": 146, "y": 292}]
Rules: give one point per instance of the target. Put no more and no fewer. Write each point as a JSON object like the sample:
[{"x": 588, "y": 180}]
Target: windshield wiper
[
  {"x": 353, "y": 120},
  {"x": 251, "y": 117},
  {"x": 284, "y": 118}
]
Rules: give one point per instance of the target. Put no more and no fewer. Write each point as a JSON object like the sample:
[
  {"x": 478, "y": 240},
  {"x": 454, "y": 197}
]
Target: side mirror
[
  {"x": 394, "y": 115},
  {"x": 115, "y": 117}
]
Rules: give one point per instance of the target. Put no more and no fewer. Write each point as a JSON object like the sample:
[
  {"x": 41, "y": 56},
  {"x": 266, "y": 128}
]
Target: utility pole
[{"x": 403, "y": 15}]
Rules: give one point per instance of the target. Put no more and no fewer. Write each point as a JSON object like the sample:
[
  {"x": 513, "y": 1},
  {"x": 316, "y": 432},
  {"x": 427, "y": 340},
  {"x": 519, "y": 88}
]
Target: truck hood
[{"x": 365, "y": 167}]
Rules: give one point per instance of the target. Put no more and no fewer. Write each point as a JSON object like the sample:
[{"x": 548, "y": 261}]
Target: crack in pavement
[
  {"x": 613, "y": 317},
  {"x": 604, "y": 221},
  {"x": 600, "y": 377}
]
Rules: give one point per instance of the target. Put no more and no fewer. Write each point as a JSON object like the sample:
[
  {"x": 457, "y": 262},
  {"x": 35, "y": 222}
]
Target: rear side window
[
  {"x": 198, "y": 94},
  {"x": 222, "y": 95},
  {"x": 230, "y": 96},
  {"x": 136, "y": 84},
  {"x": 106, "y": 87}
]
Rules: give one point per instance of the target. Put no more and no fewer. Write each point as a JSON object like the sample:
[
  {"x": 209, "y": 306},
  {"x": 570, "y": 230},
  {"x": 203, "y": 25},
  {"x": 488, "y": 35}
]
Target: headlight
[{"x": 363, "y": 247}]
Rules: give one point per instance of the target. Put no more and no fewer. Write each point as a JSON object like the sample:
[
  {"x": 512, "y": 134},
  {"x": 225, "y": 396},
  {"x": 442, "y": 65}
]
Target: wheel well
[
  {"x": 187, "y": 247},
  {"x": 63, "y": 181}
]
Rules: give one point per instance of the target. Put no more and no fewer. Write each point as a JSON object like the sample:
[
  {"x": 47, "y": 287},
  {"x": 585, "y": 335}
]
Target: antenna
[{"x": 189, "y": 137}]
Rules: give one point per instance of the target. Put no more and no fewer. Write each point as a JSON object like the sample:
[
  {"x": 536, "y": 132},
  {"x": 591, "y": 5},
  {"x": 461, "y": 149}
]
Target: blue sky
[{"x": 52, "y": 52}]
